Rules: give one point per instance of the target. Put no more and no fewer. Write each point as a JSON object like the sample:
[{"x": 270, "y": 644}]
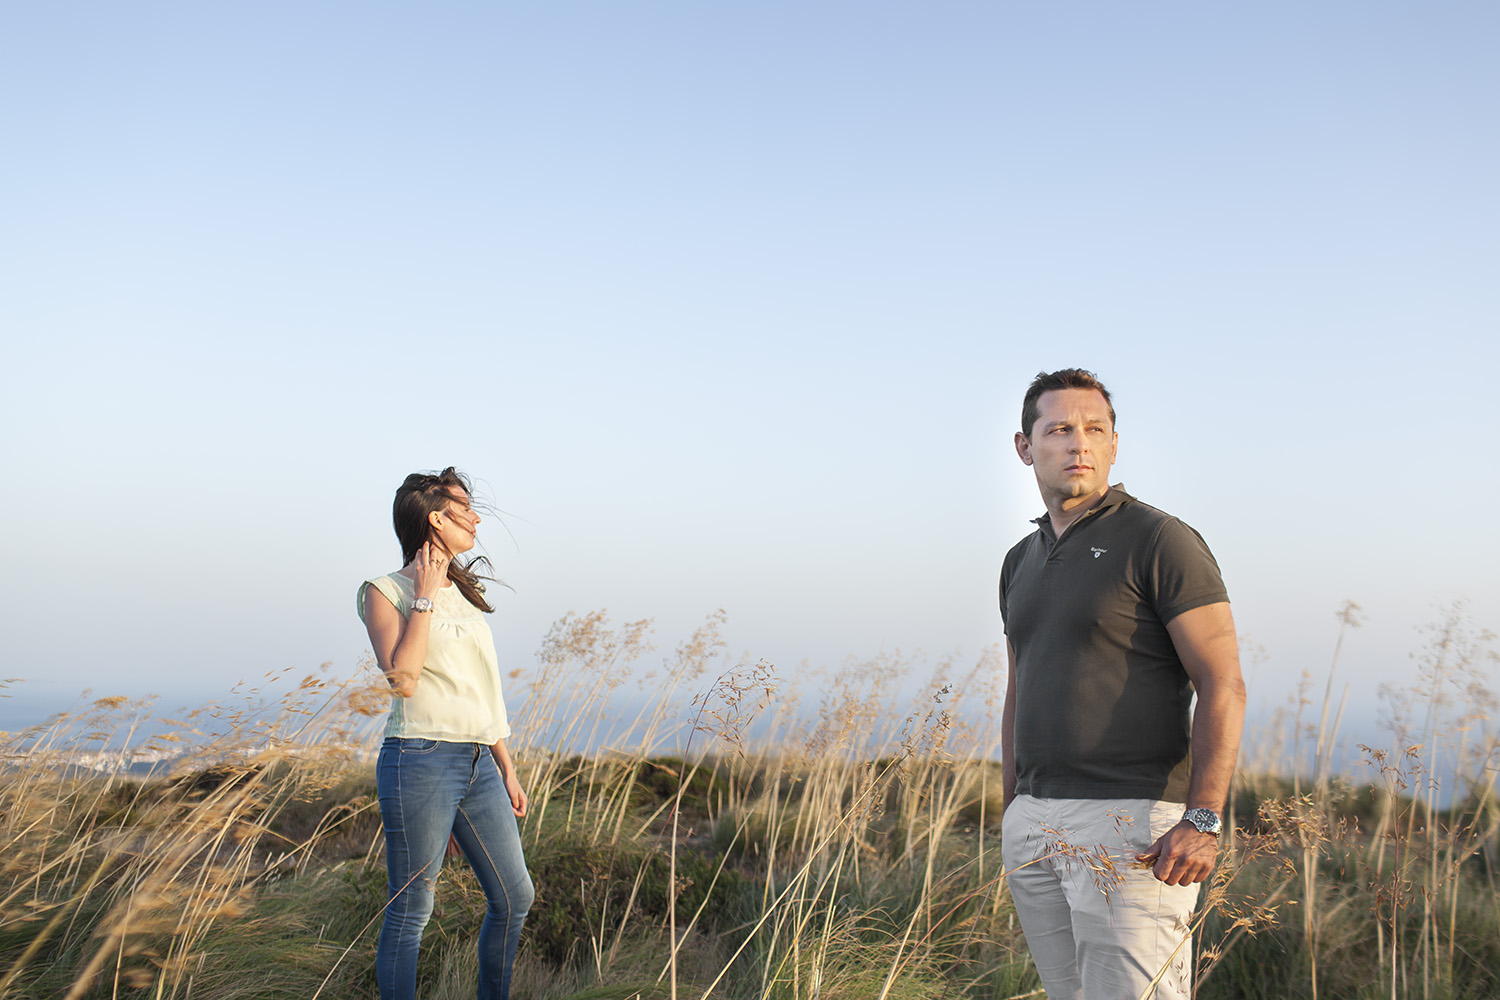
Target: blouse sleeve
[{"x": 386, "y": 586}]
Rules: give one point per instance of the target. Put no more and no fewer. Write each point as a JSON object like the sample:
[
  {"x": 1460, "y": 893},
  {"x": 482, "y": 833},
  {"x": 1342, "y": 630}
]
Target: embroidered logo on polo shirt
[{"x": 1097, "y": 552}]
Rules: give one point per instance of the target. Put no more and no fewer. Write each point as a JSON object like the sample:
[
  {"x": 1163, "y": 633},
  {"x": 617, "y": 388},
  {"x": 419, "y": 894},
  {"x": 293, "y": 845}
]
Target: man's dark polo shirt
[{"x": 1101, "y": 697}]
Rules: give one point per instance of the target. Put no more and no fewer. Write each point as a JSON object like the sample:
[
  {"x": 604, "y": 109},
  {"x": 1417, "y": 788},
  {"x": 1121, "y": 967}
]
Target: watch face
[{"x": 1206, "y": 820}]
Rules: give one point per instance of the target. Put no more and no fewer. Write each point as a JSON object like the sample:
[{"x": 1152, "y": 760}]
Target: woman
[{"x": 443, "y": 768}]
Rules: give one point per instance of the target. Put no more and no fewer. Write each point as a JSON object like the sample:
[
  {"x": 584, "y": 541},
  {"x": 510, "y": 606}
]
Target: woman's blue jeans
[{"x": 428, "y": 789}]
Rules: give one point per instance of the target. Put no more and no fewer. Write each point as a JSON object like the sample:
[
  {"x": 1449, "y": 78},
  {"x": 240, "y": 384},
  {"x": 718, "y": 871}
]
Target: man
[{"x": 1115, "y": 615}]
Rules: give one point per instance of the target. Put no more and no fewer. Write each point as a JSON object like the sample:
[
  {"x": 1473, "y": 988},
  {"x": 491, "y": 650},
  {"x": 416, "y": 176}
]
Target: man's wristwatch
[
  {"x": 1206, "y": 820},
  {"x": 425, "y": 604}
]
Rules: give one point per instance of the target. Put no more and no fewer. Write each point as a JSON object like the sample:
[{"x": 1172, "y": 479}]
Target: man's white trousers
[{"x": 1098, "y": 928}]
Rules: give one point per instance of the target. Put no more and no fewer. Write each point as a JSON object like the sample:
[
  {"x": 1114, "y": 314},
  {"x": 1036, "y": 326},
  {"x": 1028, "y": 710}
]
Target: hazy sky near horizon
[{"x": 733, "y": 307}]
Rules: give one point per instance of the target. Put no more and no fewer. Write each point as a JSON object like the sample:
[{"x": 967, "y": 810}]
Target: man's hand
[{"x": 1183, "y": 855}]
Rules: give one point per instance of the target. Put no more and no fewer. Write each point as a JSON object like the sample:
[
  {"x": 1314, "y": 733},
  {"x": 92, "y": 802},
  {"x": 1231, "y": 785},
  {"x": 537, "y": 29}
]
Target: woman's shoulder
[{"x": 395, "y": 587}]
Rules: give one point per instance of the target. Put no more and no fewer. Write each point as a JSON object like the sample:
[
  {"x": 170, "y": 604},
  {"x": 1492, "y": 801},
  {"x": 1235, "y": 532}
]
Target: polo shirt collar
[{"x": 1113, "y": 498}]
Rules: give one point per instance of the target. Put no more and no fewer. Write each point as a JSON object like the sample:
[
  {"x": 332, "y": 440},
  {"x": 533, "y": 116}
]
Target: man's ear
[{"x": 1023, "y": 447}]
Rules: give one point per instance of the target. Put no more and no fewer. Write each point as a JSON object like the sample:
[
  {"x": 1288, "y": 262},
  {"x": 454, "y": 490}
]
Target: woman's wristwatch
[{"x": 421, "y": 604}]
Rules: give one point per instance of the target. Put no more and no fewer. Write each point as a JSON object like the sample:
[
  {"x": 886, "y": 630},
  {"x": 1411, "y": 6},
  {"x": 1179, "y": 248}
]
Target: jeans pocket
[{"x": 416, "y": 746}]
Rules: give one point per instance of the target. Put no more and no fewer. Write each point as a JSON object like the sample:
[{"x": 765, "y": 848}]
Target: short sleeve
[
  {"x": 1008, "y": 570},
  {"x": 1005, "y": 574},
  {"x": 386, "y": 586},
  {"x": 1183, "y": 572}
]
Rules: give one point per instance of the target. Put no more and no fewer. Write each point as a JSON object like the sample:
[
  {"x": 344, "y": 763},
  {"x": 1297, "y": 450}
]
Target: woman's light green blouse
[{"x": 458, "y": 695}]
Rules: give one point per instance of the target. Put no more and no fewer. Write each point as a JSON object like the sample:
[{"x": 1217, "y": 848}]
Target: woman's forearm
[
  {"x": 410, "y": 655},
  {"x": 518, "y": 800},
  {"x": 502, "y": 759},
  {"x": 428, "y": 571}
]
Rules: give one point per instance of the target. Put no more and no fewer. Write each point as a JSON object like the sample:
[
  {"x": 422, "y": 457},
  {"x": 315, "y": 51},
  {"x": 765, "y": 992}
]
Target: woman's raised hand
[{"x": 429, "y": 569}]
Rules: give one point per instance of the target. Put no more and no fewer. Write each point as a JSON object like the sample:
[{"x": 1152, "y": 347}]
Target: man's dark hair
[{"x": 1063, "y": 378}]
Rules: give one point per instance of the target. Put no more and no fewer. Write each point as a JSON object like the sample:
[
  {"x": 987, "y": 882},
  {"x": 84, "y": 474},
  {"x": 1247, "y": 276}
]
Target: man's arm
[
  {"x": 1209, "y": 650},
  {"x": 1008, "y": 726}
]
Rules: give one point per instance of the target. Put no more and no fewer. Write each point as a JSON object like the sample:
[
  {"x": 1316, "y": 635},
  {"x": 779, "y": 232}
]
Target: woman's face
[{"x": 455, "y": 527}]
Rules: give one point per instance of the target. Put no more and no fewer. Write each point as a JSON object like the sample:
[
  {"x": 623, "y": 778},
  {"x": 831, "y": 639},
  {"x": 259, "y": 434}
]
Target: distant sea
[{"x": 27, "y": 704}]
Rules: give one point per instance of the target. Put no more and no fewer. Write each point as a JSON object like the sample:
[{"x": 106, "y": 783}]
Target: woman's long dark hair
[{"x": 416, "y": 499}]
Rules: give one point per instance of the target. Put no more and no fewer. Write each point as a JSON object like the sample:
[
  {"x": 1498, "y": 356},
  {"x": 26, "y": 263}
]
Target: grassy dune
[{"x": 850, "y": 850}]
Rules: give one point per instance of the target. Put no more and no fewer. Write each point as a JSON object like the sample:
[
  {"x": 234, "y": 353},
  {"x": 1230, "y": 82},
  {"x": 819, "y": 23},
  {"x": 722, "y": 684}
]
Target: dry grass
[
  {"x": 747, "y": 834},
  {"x": 111, "y": 881}
]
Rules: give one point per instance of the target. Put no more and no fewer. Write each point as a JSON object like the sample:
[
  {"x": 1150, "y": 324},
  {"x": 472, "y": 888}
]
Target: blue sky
[{"x": 733, "y": 306}]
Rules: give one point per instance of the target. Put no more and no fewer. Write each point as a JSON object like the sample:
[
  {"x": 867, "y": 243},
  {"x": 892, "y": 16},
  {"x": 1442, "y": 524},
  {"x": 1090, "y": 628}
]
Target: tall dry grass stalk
[
  {"x": 816, "y": 834},
  {"x": 1389, "y": 869},
  {"x": 123, "y": 878}
]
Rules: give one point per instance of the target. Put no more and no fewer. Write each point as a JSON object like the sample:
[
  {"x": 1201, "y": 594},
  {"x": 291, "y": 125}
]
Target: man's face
[{"x": 1072, "y": 444}]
